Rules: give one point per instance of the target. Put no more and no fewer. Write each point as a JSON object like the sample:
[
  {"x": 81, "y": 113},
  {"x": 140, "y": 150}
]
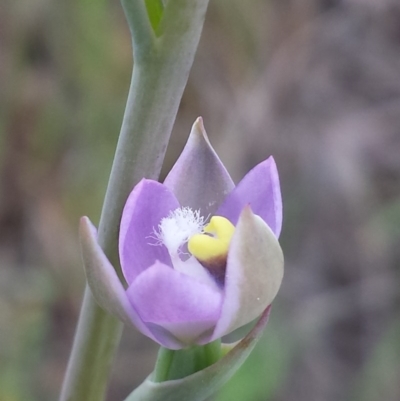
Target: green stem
[
  {"x": 212, "y": 352},
  {"x": 173, "y": 365},
  {"x": 161, "y": 70},
  {"x": 163, "y": 365},
  {"x": 141, "y": 30},
  {"x": 92, "y": 354}
]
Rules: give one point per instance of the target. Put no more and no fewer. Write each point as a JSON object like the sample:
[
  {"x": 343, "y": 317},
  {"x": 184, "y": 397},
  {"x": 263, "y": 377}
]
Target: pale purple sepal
[
  {"x": 175, "y": 301},
  {"x": 103, "y": 280},
  {"x": 147, "y": 204},
  {"x": 260, "y": 189},
  {"x": 107, "y": 289},
  {"x": 198, "y": 178},
  {"x": 253, "y": 275}
]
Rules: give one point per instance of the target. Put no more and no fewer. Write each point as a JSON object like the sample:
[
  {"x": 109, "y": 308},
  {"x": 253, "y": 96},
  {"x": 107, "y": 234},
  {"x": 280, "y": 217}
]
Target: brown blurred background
[{"x": 316, "y": 83}]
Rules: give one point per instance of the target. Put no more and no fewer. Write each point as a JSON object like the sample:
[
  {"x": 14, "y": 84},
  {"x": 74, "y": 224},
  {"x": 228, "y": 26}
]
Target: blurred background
[{"x": 316, "y": 83}]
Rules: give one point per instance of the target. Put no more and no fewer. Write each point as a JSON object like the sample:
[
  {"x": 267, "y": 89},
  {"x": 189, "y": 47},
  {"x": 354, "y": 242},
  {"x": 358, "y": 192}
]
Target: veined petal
[
  {"x": 180, "y": 304},
  {"x": 260, "y": 189},
  {"x": 147, "y": 204},
  {"x": 254, "y": 273},
  {"x": 198, "y": 178}
]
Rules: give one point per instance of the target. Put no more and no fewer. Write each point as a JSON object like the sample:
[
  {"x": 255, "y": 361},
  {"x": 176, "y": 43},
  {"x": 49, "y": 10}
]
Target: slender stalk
[
  {"x": 140, "y": 26},
  {"x": 173, "y": 365},
  {"x": 163, "y": 365},
  {"x": 92, "y": 354},
  {"x": 212, "y": 352},
  {"x": 160, "y": 74}
]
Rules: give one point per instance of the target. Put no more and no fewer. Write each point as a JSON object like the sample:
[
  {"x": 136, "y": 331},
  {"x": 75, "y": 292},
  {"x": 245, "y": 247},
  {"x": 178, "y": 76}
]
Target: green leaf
[
  {"x": 200, "y": 385},
  {"x": 155, "y": 9}
]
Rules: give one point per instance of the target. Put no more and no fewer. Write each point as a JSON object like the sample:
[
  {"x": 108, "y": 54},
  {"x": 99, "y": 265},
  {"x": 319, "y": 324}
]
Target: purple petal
[
  {"x": 147, "y": 204},
  {"x": 180, "y": 304},
  {"x": 254, "y": 273},
  {"x": 198, "y": 178},
  {"x": 103, "y": 280},
  {"x": 261, "y": 190}
]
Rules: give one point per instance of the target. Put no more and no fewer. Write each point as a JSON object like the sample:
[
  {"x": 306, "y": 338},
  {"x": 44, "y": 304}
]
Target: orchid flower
[{"x": 200, "y": 256}]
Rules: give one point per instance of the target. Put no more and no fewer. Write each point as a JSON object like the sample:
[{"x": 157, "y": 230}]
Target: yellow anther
[{"x": 206, "y": 247}]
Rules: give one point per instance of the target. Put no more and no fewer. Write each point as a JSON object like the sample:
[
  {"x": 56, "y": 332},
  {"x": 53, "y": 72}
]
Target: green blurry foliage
[
  {"x": 380, "y": 378},
  {"x": 24, "y": 332}
]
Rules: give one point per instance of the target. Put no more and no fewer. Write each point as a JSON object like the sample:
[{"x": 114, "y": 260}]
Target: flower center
[
  {"x": 176, "y": 229},
  {"x": 214, "y": 242},
  {"x": 208, "y": 243}
]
